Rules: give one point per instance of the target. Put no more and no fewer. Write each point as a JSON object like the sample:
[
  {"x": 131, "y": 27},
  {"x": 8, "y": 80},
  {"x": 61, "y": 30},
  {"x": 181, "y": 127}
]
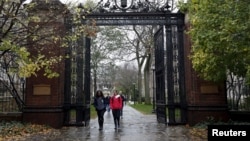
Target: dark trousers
[
  {"x": 116, "y": 116},
  {"x": 121, "y": 112},
  {"x": 100, "y": 114}
]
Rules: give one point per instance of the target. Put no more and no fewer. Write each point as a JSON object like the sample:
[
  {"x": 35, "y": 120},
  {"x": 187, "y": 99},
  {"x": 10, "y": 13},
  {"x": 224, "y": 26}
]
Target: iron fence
[
  {"x": 238, "y": 94},
  {"x": 8, "y": 103}
]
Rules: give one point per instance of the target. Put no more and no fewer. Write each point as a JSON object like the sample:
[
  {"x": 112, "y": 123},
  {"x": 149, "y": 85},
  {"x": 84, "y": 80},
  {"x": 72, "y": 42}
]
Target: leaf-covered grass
[
  {"x": 143, "y": 108},
  {"x": 200, "y": 129},
  {"x": 14, "y": 130},
  {"x": 198, "y": 133}
]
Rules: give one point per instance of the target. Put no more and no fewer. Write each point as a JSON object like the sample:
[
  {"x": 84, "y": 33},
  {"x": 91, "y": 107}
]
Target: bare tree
[
  {"x": 126, "y": 44},
  {"x": 106, "y": 49},
  {"x": 141, "y": 44},
  {"x": 127, "y": 75}
]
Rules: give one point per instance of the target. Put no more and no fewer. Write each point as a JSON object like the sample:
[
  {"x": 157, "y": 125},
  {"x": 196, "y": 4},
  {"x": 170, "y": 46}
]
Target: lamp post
[
  {"x": 134, "y": 93},
  {"x": 153, "y": 71}
]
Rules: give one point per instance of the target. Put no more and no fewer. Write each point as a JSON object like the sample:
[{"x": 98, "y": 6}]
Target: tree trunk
[
  {"x": 139, "y": 86},
  {"x": 147, "y": 80}
]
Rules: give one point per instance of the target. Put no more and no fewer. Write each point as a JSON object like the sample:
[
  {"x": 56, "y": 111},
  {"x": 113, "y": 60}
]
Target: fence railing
[
  {"x": 238, "y": 94},
  {"x": 8, "y": 103}
]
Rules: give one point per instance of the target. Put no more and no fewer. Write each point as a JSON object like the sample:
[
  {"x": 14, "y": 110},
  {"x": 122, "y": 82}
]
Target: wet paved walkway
[{"x": 134, "y": 127}]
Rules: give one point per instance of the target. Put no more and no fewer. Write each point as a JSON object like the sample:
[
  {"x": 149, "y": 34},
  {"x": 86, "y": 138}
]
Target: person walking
[
  {"x": 116, "y": 105},
  {"x": 107, "y": 99},
  {"x": 123, "y": 100},
  {"x": 100, "y": 106}
]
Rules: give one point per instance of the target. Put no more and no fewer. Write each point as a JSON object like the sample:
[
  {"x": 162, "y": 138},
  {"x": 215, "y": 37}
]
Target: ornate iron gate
[
  {"x": 87, "y": 78},
  {"x": 170, "y": 73},
  {"x": 77, "y": 93},
  {"x": 176, "y": 100},
  {"x": 160, "y": 76}
]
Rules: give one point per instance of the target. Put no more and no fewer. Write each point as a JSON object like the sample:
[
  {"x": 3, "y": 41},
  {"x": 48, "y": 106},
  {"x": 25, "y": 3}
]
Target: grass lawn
[
  {"x": 143, "y": 108},
  {"x": 93, "y": 113}
]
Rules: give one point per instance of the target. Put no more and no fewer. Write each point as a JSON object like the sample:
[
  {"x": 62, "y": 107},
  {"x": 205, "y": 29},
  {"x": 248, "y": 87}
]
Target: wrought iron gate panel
[
  {"x": 170, "y": 69},
  {"x": 176, "y": 103},
  {"x": 87, "y": 80},
  {"x": 74, "y": 106},
  {"x": 182, "y": 88},
  {"x": 67, "y": 88},
  {"x": 79, "y": 82},
  {"x": 160, "y": 76}
]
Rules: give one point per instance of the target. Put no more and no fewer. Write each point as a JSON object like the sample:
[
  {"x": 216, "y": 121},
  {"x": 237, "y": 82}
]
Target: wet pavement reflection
[{"x": 134, "y": 127}]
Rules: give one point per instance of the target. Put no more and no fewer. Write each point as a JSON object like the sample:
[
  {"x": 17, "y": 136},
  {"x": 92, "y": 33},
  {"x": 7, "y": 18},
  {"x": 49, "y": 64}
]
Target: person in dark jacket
[
  {"x": 107, "y": 99},
  {"x": 100, "y": 106},
  {"x": 116, "y": 105}
]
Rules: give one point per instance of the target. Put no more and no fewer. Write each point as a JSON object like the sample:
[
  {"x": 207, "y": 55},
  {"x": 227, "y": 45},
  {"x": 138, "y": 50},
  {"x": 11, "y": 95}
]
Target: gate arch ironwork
[{"x": 169, "y": 63}]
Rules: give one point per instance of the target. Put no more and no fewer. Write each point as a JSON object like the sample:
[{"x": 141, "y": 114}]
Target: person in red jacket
[{"x": 116, "y": 106}]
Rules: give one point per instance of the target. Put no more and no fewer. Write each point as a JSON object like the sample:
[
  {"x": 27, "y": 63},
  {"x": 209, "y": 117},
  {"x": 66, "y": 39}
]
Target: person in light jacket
[{"x": 116, "y": 106}]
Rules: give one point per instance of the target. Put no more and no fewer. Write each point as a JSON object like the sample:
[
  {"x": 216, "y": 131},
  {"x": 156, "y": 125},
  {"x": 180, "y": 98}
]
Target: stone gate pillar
[
  {"x": 44, "y": 96},
  {"x": 204, "y": 99}
]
